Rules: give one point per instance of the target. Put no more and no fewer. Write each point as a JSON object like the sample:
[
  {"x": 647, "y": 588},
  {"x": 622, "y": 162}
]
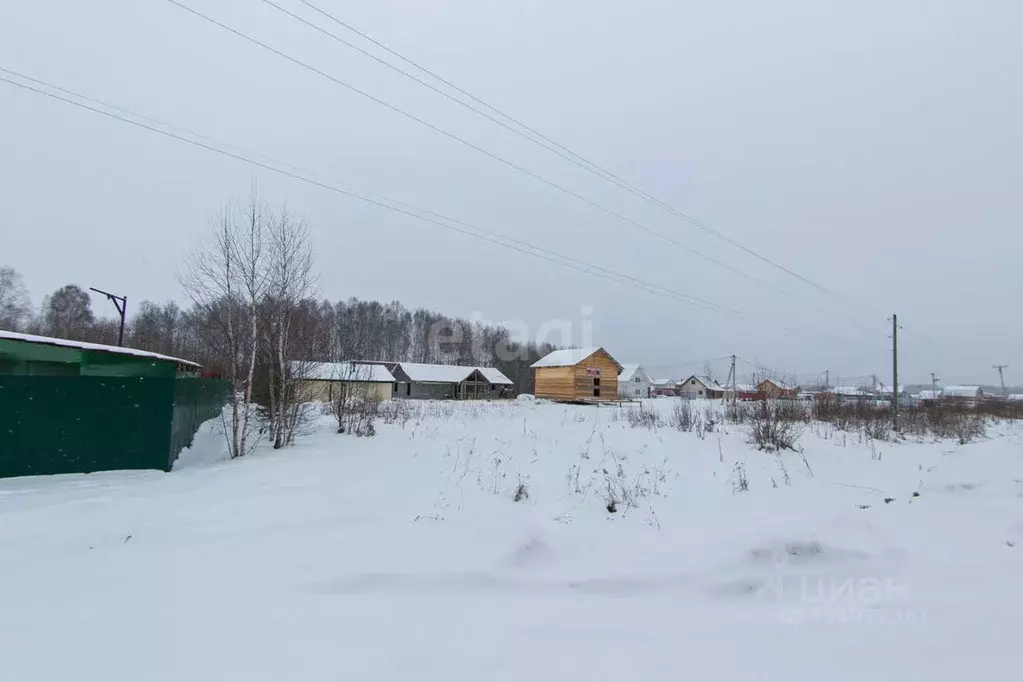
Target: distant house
[
  {"x": 929, "y": 396},
  {"x": 962, "y": 393},
  {"x": 774, "y": 388},
  {"x": 577, "y": 375},
  {"x": 700, "y": 387},
  {"x": 1015, "y": 397},
  {"x": 633, "y": 382},
  {"x": 329, "y": 381},
  {"x": 850, "y": 393},
  {"x": 449, "y": 382},
  {"x": 742, "y": 392},
  {"x": 663, "y": 387}
]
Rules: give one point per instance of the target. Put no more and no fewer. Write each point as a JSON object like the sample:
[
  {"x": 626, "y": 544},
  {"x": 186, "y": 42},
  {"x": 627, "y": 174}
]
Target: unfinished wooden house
[
  {"x": 449, "y": 382},
  {"x": 577, "y": 375}
]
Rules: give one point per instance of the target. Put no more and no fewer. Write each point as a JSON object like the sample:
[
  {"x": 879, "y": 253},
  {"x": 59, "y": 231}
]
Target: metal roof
[{"x": 96, "y": 347}]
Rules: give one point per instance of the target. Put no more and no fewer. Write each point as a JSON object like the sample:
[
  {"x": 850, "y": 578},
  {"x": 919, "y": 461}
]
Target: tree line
[{"x": 253, "y": 310}]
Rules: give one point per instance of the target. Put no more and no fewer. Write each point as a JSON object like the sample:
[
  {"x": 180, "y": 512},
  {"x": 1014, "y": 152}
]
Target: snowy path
[{"x": 404, "y": 557}]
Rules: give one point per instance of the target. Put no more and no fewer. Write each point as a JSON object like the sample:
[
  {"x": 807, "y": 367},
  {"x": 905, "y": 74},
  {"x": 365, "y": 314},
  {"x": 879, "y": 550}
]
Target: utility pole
[
  {"x": 1001, "y": 377},
  {"x": 934, "y": 384},
  {"x": 121, "y": 303},
  {"x": 827, "y": 379},
  {"x": 734, "y": 381},
  {"x": 895, "y": 371}
]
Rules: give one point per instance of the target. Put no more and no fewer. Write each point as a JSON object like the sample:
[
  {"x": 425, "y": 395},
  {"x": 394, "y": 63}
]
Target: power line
[
  {"x": 408, "y": 210},
  {"x": 559, "y": 149},
  {"x": 381, "y": 201},
  {"x": 615, "y": 214}
]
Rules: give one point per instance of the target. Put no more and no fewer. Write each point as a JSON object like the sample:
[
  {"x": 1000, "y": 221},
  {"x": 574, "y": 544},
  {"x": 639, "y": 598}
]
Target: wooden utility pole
[
  {"x": 1001, "y": 377},
  {"x": 895, "y": 372},
  {"x": 827, "y": 379},
  {"x": 734, "y": 382}
]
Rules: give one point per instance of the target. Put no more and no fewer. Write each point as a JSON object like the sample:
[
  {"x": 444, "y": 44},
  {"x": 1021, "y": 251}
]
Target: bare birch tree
[
  {"x": 290, "y": 281},
  {"x": 226, "y": 276}
]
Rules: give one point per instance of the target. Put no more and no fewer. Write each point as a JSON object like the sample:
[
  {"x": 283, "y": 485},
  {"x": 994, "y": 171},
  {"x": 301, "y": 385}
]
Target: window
[
  {"x": 596, "y": 393},
  {"x": 636, "y": 392},
  {"x": 701, "y": 393},
  {"x": 596, "y": 381},
  {"x": 395, "y": 387},
  {"x": 636, "y": 380}
]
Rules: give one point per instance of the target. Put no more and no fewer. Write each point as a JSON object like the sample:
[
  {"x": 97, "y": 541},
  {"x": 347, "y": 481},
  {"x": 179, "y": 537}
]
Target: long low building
[
  {"x": 450, "y": 382},
  {"x": 328, "y": 381}
]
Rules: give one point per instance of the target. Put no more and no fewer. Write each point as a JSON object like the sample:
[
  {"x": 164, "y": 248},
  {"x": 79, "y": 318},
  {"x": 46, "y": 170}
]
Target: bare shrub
[
  {"x": 740, "y": 483},
  {"x": 968, "y": 428},
  {"x": 521, "y": 492},
  {"x": 684, "y": 416},
  {"x": 355, "y": 404},
  {"x": 772, "y": 426},
  {"x": 711, "y": 418},
  {"x": 643, "y": 418},
  {"x": 737, "y": 413}
]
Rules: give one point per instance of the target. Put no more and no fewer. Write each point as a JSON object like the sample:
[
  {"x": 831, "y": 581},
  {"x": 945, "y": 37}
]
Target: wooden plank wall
[
  {"x": 557, "y": 383},
  {"x": 576, "y": 382}
]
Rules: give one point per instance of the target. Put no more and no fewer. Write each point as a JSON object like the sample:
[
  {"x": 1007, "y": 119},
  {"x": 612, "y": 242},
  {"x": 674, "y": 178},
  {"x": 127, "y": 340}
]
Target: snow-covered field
[{"x": 406, "y": 557}]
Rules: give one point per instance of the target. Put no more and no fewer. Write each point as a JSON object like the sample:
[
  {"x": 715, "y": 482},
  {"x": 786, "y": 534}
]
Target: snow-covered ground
[{"x": 406, "y": 557}]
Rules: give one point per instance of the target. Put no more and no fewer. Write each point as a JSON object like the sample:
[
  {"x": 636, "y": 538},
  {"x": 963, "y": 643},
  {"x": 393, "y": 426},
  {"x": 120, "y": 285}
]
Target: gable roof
[
  {"x": 436, "y": 374},
  {"x": 628, "y": 372},
  {"x": 962, "y": 391},
  {"x": 98, "y": 347},
  {"x": 495, "y": 376},
  {"x": 785, "y": 386},
  {"x": 706, "y": 381},
  {"x": 569, "y": 357},
  {"x": 341, "y": 371}
]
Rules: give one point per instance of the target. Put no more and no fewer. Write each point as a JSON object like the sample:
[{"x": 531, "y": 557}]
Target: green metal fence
[
  {"x": 195, "y": 401},
  {"x": 56, "y": 425}
]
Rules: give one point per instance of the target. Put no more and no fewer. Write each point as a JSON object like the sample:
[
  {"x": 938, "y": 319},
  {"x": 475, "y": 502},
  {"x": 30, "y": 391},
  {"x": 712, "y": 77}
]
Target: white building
[
  {"x": 634, "y": 382},
  {"x": 700, "y": 387},
  {"x": 963, "y": 392}
]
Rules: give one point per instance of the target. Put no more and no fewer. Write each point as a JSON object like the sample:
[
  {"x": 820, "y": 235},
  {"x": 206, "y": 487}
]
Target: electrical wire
[
  {"x": 381, "y": 201},
  {"x": 540, "y": 139},
  {"x": 579, "y": 197}
]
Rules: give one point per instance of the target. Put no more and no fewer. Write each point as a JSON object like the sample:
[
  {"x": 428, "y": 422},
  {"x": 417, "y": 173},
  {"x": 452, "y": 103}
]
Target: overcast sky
[{"x": 872, "y": 147}]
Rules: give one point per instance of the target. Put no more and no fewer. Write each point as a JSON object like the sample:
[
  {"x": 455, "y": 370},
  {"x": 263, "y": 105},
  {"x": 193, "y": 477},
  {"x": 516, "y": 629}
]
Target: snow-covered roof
[
  {"x": 848, "y": 390},
  {"x": 495, "y": 376},
  {"x": 962, "y": 391},
  {"x": 783, "y": 385},
  {"x": 1015, "y": 396},
  {"x": 706, "y": 381},
  {"x": 741, "y": 388},
  {"x": 341, "y": 371},
  {"x": 928, "y": 394},
  {"x": 565, "y": 357},
  {"x": 437, "y": 374},
  {"x": 663, "y": 382},
  {"x": 628, "y": 372},
  {"x": 99, "y": 347}
]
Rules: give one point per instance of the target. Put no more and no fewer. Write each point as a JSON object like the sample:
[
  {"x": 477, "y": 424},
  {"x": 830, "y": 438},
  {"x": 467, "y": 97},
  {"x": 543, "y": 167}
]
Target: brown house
[
  {"x": 577, "y": 375},
  {"x": 772, "y": 388}
]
